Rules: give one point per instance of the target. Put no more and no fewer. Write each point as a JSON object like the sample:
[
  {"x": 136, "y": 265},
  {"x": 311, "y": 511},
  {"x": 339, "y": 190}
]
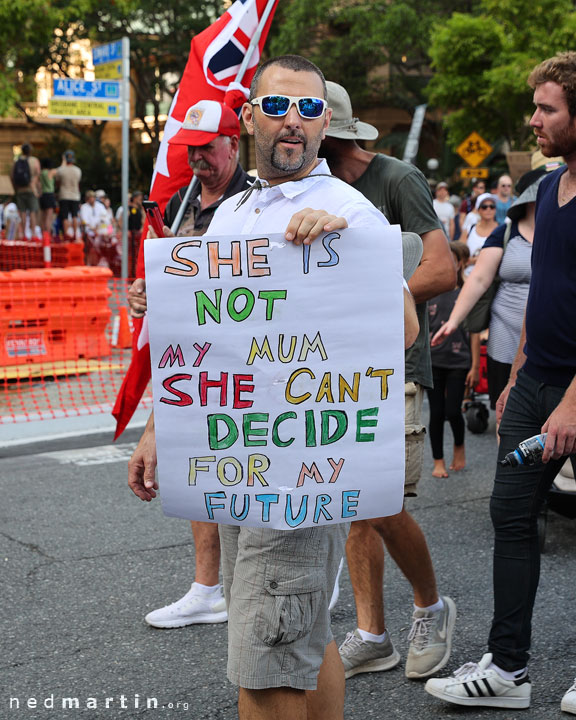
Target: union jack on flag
[
  {"x": 224, "y": 54},
  {"x": 216, "y": 55}
]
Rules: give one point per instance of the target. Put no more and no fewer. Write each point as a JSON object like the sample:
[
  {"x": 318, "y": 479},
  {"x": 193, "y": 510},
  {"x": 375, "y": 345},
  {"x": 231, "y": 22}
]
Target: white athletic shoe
[
  {"x": 192, "y": 609},
  {"x": 474, "y": 684},
  {"x": 568, "y": 703}
]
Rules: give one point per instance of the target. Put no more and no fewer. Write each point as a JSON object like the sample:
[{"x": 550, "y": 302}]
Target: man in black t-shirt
[{"x": 540, "y": 398}]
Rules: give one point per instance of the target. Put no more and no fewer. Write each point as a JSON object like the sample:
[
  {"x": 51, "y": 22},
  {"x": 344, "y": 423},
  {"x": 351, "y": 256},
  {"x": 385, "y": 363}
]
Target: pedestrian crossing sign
[{"x": 474, "y": 149}]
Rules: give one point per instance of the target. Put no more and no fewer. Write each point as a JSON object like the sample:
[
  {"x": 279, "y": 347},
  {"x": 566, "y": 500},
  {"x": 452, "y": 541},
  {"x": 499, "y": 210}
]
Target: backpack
[{"x": 21, "y": 176}]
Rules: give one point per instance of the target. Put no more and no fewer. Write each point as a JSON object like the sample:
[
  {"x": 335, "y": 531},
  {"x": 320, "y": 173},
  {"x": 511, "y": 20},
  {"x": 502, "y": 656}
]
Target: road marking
[{"x": 92, "y": 456}]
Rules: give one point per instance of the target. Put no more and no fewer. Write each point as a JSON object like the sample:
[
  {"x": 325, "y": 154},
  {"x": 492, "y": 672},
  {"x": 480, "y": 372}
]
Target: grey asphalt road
[{"x": 82, "y": 561}]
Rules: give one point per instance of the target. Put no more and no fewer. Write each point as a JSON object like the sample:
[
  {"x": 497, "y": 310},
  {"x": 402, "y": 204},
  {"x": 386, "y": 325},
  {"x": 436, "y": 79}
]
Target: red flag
[{"x": 210, "y": 73}]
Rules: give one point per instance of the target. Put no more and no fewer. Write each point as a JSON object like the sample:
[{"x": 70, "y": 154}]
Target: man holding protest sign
[
  {"x": 401, "y": 192},
  {"x": 281, "y": 650}
]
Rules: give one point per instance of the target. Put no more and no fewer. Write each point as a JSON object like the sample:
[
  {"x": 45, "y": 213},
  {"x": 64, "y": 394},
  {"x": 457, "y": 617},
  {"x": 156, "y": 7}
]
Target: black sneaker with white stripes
[{"x": 476, "y": 684}]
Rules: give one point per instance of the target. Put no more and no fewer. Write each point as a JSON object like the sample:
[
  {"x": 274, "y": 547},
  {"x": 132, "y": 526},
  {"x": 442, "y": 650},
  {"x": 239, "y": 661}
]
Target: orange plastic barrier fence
[
  {"x": 65, "y": 342},
  {"x": 18, "y": 254}
]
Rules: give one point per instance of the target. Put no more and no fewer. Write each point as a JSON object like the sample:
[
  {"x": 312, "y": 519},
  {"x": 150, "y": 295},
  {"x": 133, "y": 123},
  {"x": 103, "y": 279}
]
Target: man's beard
[
  {"x": 286, "y": 163},
  {"x": 563, "y": 144}
]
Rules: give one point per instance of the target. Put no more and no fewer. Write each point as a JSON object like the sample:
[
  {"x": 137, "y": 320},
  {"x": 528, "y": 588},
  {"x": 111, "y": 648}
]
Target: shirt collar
[{"x": 293, "y": 188}]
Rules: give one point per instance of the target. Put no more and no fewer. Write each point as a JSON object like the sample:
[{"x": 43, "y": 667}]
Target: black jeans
[
  {"x": 516, "y": 501},
  {"x": 445, "y": 401}
]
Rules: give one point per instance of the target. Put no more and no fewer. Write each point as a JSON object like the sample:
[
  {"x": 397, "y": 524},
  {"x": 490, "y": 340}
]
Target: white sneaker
[
  {"x": 192, "y": 609},
  {"x": 474, "y": 684},
  {"x": 568, "y": 703}
]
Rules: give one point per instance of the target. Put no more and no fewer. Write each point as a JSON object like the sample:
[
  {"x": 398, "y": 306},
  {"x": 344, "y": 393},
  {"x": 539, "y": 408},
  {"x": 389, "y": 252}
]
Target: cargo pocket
[{"x": 289, "y": 608}]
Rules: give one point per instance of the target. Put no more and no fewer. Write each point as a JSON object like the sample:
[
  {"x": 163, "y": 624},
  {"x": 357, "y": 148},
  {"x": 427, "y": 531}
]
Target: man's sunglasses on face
[{"x": 279, "y": 105}]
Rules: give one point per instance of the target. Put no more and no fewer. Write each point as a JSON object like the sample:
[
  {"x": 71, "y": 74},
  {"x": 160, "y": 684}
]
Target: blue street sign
[
  {"x": 87, "y": 89},
  {"x": 107, "y": 53}
]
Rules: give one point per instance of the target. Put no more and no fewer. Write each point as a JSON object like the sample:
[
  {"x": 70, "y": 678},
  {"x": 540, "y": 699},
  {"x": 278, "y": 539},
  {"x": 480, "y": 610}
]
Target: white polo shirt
[{"x": 270, "y": 209}]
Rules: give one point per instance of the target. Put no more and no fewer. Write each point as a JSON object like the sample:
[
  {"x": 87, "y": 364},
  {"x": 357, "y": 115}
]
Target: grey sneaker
[
  {"x": 430, "y": 640},
  {"x": 360, "y": 656},
  {"x": 192, "y": 609}
]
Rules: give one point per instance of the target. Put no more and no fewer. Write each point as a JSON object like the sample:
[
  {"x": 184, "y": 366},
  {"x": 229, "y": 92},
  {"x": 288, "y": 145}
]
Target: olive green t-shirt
[{"x": 402, "y": 193}]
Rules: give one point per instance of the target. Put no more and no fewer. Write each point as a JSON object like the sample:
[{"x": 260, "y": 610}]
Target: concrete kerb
[{"x": 26, "y": 433}]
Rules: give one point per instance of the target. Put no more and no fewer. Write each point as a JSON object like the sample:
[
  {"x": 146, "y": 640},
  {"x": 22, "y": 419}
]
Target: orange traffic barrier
[
  {"x": 54, "y": 314},
  {"x": 124, "y": 337},
  {"x": 21, "y": 255}
]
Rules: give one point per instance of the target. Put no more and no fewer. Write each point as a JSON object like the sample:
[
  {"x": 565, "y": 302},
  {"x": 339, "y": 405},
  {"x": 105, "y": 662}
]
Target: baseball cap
[
  {"x": 69, "y": 156},
  {"x": 441, "y": 185},
  {"x": 343, "y": 124},
  {"x": 204, "y": 122}
]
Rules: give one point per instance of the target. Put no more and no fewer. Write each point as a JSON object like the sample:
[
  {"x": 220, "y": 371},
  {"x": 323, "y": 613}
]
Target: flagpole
[
  {"x": 184, "y": 205},
  {"x": 239, "y": 75},
  {"x": 254, "y": 41}
]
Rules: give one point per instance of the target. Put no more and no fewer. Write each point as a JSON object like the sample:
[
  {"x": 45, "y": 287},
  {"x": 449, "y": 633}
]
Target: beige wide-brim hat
[{"x": 343, "y": 124}]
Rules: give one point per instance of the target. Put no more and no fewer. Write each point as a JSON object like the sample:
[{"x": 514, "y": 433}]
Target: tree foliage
[
  {"x": 482, "y": 60},
  {"x": 377, "y": 49},
  {"x": 160, "y": 35}
]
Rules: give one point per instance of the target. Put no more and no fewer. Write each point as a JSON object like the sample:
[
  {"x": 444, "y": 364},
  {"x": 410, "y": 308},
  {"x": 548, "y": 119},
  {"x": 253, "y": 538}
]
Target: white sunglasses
[{"x": 279, "y": 105}]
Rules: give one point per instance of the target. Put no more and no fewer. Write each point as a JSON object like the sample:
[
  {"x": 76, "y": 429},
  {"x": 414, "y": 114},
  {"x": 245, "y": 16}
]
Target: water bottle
[{"x": 529, "y": 452}]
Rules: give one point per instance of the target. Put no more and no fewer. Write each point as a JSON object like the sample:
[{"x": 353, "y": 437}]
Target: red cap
[{"x": 204, "y": 122}]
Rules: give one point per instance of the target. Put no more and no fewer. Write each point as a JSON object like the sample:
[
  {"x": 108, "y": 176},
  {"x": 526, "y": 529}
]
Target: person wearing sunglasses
[
  {"x": 277, "y": 583},
  {"x": 512, "y": 265},
  {"x": 476, "y": 236},
  {"x": 504, "y": 197}
]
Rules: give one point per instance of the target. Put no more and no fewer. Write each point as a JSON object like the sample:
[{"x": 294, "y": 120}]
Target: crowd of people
[
  {"x": 527, "y": 242},
  {"x": 315, "y": 176},
  {"x": 48, "y": 204}
]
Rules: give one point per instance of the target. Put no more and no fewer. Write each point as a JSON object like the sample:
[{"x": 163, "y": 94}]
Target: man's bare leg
[
  {"x": 207, "y": 549},
  {"x": 277, "y": 703},
  {"x": 407, "y": 546},
  {"x": 327, "y": 701},
  {"x": 365, "y": 555},
  {"x": 324, "y": 703}
]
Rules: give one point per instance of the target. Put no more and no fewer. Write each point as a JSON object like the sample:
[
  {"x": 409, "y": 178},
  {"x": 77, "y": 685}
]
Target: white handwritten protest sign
[{"x": 278, "y": 377}]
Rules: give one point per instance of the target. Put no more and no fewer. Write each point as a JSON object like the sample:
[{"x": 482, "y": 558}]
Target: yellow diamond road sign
[{"x": 474, "y": 149}]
